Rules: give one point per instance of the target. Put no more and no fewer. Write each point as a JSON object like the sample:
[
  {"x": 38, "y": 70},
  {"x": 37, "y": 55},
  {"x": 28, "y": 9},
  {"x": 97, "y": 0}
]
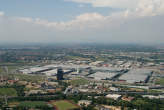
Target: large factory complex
[{"x": 91, "y": 72}]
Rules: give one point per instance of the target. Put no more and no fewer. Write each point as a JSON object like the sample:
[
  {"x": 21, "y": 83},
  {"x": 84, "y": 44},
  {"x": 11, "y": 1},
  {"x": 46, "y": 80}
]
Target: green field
[
  {"x": 32, "y": 78},
  {"x": 13, "y": 104},
  {"x": 64, "y": 105},
  {"x": 160, "y": 81},
  {"x": 8, "y": 92},
  {"x": 32, "y": 104},
  {"x": 1, "y": 70},
  {"x": 80, "y": 81}
]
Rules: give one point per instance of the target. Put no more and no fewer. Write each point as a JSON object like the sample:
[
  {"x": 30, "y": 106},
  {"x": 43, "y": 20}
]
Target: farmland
[
  {"x": 64, "y": 105},
  {"x": 8, "y": 92}
]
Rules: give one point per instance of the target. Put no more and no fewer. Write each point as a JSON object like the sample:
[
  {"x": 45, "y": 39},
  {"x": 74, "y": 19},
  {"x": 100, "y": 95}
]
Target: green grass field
[
  {"x": 160, "y": 81},
  {"x": 32, "y": 104},
  {"x": 1, "y": 70},
  {"x": 8, "y": 92},
  {"x": 64, "y": 105},
  {"x": 80, "y": 81},
  {"x": 32, "y": 78}
]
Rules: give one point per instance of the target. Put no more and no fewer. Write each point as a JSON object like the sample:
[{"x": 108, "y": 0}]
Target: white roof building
[
  {"x": 135, "y": 75},
  {"x": 50, "y": 72},
  {"x": 102, "y": 75},
  {"x": 113, "y": 96}
]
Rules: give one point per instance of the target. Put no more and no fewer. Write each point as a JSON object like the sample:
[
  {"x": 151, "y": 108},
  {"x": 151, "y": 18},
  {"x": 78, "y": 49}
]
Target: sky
[{"x": 82, "y": 21}]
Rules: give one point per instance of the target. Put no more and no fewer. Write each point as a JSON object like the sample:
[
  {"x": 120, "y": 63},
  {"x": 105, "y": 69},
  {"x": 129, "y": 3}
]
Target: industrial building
[
  {"x": 102, "y": 75},
  {"x": 48, "y": 70},
  {"x": 52, "y": 72},
  {"x": 136, "y": 75},
  {"x": 60, "y": 74}
]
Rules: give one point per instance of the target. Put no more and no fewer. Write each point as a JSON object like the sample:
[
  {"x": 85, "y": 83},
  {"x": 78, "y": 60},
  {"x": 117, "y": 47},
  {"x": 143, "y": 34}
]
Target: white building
[
  {"x": 84, "y": 102},
  {"x": 114, "y": 89},
  {"x": 113, "y": 96}
]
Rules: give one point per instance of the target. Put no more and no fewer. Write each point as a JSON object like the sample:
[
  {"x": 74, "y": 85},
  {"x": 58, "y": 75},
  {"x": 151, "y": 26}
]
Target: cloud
[
  {"x": 2, "y": 13},
  {"x": 150, "y": 7},
  {"x": 88, "y": 27},
  {"x": 81, "y": 6},
  {"x": 145, "y": 7},
  {"x": 109, "y": 3},
  {"x": 79, "y": 22},
  {"x": 141, "y": 21}
]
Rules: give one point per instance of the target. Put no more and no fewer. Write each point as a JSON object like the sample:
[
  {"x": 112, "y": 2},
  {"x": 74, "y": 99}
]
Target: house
[
  {"x": 114, "y": 89},
  {"x": 126, "y": 98},
  {"x": 71, "y": 90},
  {"x": 11, "y": 82},
  {"x": 45, "y": 85},
  {"x": 22, "y": 82},
  {"x": 84, "y": 102},
  {"x": 34, "y": 92},
  {"x": 113, "y": 96},
  {"x": 106, "y": 107}
]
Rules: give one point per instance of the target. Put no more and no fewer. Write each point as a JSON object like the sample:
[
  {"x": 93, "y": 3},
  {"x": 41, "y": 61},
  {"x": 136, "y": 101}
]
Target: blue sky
[
  {"x": 52, "y": 10},
  {"x": 101, "y": 21}
]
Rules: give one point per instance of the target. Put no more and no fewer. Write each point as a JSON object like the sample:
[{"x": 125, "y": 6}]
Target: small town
[{"x": 81, "y": 79}]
